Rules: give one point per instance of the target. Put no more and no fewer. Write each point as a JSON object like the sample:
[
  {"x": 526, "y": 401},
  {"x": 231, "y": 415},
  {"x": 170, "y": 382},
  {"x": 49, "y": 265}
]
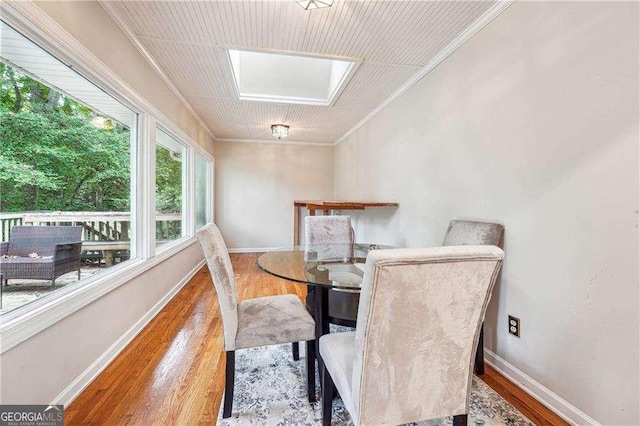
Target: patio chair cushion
[
  {"x": 27, "y": 267},
  {"x": 55, "y": 250}
]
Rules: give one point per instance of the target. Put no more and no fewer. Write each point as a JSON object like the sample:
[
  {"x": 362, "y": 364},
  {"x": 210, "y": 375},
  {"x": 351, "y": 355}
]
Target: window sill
[{"x": 31, "y": 319}]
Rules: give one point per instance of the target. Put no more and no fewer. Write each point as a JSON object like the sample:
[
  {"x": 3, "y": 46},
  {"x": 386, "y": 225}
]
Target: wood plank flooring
[{"x": 173, "y": 372}]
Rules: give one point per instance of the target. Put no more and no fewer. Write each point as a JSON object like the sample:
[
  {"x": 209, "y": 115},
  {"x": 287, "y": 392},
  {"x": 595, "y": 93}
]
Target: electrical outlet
[{"x": 514, "y": 326}]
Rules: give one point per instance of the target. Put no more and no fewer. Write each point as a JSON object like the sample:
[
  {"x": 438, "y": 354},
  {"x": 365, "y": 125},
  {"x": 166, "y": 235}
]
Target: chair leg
[
  {"x": 460, "y": 420},
  {"x": 327, "y": 396},
  {"x": 229, "y": 381},
  {"x": 311, "y": 370},
  {"x": 479, "y": 362},
  {"x": 78, "y": 274},
  {"x": 295, "y": 348},
  {"x": 53, "y": 282}
]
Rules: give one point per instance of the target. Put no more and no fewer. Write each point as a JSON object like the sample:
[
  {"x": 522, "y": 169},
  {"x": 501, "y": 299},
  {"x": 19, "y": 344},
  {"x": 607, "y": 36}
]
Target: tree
[{"x": 53, "y": 158}]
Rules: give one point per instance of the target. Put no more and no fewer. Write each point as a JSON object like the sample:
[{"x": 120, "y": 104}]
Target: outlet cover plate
[{"x": 514, "y": 326}]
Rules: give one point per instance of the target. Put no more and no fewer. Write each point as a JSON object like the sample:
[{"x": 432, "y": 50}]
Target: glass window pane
[
  {"x": 170, "y": 183},
  {"x": 65, "y": 161},
  {"x": 203, "y": 191}
]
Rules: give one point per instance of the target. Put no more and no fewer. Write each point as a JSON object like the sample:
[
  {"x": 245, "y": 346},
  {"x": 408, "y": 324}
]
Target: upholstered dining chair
[
  {"x": 255, "y": 322},
  {"x": 411, "y": 355},
  {"x": 467, "y": 232},
  {"x": 320, "y": 231}
]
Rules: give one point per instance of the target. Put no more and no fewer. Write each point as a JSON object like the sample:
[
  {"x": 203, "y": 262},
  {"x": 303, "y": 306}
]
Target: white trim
[
  {"x": 189, "y": 198},
  {"x": 254, "y": 249},
  {"x": 275, "y": 142},
  {"x": 85, "y": 378},
  {"x": 147, "y": 56},
  {"x": 541, "y": 393},
  {"x": 264, "y": 50},
  {"x": 146, "y": 187},
  {"x": 469, "y": 32},
  {"x": 18, "y": 326}
]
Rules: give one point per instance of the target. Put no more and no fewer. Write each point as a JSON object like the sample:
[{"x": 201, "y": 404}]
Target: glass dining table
[{"x": 323, "y": 266}]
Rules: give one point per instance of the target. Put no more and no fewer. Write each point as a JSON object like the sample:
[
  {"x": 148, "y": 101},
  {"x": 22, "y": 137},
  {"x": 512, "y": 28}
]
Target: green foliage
[
  {"x": 53, "y": 158},
  {"x": 168, "y": 182}
]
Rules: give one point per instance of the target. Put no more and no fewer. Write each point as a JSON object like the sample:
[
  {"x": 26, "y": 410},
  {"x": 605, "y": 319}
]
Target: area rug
[{"x": 270, "y": 390}]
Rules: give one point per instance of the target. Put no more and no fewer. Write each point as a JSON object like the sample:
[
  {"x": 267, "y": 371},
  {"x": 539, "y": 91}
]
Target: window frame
[
  {"x": 209, "y": 178},
  {"x": 187, "y": 170},
  {"x": 24, "y": 322}
]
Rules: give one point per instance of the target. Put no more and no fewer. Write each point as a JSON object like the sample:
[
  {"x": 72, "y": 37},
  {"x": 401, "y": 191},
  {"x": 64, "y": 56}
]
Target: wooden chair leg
[
  {"x": 229, "y": 381},
  {"x": 295, "y": 348},
  {"x": 327, "y": 396},
  {"x": 479, "y": 362},
  {"x": 311, "y": 370},
  {"x": 460, "y": 420}
]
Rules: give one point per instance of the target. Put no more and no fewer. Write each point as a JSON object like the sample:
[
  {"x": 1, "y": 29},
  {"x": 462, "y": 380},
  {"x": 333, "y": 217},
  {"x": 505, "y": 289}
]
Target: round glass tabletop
[{"x": 326, "y": 265}]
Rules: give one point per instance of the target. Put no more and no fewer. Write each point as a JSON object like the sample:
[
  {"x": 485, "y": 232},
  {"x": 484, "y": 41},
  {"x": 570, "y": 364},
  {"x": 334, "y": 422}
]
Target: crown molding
[
  {"x": 464, "y": 36},
  {"x": 275, "y": 142},
  {"x": 115, "y": 16}
]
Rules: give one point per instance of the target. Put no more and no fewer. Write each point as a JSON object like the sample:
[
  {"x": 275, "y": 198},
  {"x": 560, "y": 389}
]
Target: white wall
[
  {"x": 40, "y": 368},
  {"x": 532, "y": 123},
  {"x": 256, "y": 184}
]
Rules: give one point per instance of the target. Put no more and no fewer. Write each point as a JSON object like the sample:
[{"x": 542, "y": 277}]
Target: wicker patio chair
[{"x": 41, "y": 252}]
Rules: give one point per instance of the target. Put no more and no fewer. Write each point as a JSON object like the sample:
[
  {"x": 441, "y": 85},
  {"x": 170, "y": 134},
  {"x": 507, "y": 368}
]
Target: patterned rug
[{"x": 270, "y": 390}]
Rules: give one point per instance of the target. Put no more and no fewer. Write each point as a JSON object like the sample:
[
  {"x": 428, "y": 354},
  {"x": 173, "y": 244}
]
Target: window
[
  {"x": 289, "y": 78},
  {"x": 170, "y": 188},
  {"x": 80, "y": 153},
  {"x": 203, "y": 192},
  {"x": 65, "y": 160}
]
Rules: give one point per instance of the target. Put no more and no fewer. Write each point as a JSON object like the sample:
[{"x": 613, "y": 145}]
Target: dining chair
[
  {"x": 410, "y": 358},
  {"x": 467, "y": 232},
  {"x": 320, "y": 233},
  {"x": 255, "y": 322}
]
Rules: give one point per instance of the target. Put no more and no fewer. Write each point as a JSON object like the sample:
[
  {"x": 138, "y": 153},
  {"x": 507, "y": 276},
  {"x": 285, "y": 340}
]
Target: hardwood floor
[{"x": 173, "y": 372}]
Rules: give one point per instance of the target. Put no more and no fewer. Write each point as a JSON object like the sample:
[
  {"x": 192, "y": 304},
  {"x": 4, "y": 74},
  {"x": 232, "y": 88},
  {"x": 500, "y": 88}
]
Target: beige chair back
[
  {"x": 219, "y": 263},
  {"x": 418, "y": 325},
  {"x": 328, "y": 237},
  {"x": 466, "y": 232}
]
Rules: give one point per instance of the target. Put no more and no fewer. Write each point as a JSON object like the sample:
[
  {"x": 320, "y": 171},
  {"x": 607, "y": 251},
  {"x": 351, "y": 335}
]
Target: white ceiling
[{"x": 395, "y": 40}]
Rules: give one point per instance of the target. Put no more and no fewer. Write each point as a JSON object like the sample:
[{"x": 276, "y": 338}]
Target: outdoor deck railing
[{"x": 97, "y": 226}]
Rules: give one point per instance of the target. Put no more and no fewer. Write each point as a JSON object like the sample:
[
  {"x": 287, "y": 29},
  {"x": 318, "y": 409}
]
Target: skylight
[{"x": 285, "y": 78}]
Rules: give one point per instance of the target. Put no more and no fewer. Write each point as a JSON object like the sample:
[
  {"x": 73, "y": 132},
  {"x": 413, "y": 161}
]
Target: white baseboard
[
  {"x": 74, "y": 389},
  {"x": 254, "y": 250},
  {"x": 538, "y": 391}
]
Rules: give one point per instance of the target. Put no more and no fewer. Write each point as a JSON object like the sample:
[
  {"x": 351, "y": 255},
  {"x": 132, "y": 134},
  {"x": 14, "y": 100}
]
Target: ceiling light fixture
[
  {"x": 279, "y": 130},
  {"x": 314, "y": 4}
]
